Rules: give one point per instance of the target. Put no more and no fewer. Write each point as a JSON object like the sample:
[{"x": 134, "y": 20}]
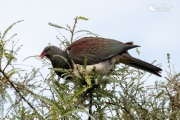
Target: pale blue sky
[
  {"x": 152, "y": 24},
  {"x": 156, "y": 31}
]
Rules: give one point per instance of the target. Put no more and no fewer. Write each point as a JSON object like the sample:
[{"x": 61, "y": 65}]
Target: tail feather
[{"x": 137, "y": 63}]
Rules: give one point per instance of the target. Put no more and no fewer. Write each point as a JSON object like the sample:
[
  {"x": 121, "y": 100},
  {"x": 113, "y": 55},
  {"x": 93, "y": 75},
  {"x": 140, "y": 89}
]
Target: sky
[{"x": 152, "y": 24}]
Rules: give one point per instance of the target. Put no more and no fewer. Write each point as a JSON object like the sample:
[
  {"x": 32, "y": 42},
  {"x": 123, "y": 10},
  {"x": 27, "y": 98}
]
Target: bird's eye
[{"x": 49, "y": 49}]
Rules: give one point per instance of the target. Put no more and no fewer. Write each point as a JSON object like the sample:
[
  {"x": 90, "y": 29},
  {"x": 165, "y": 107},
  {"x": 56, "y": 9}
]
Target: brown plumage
[{"x": 102, "y": 53}]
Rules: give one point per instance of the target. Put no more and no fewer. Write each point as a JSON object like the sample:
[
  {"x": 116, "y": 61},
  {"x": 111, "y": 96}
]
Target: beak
[{"x": 42, "y": 55}]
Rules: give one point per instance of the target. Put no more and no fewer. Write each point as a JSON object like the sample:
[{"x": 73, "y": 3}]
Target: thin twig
[
  {"x": 72, "y": 31},
  {"x": 90, "y": 104}
]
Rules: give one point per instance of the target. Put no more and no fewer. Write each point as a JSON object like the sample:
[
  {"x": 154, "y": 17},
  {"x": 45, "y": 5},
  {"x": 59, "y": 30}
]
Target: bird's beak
[{"x": 42, "y": 55}]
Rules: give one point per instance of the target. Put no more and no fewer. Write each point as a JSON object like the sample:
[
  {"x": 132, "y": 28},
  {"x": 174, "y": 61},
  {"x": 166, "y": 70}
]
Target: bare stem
[
  {"x": 72, "y": 31},
  {"x": 90, "y": 104}
]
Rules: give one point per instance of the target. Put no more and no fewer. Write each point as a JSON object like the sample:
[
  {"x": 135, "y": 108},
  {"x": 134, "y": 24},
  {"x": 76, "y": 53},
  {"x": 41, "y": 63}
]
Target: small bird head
[{"x": 49, "y": 51}]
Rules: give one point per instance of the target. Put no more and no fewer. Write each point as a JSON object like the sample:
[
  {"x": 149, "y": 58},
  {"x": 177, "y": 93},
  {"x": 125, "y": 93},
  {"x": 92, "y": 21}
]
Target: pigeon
[{"x": 101, "y": 53}]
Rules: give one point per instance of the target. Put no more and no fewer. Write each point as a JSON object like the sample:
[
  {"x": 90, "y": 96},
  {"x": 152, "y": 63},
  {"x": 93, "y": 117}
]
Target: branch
[
  {"x": 72, "y": 31},
  {"x": 9, "y": 61},
  {"x": 90, "y": 104},
  {"x": 16, "y": 89}
]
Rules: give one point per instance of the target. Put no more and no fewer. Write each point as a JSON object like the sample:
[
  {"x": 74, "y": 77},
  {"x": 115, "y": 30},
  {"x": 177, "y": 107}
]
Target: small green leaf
[
  {"x": 137, "y": 50},
  {"x": 11, "y": 73},
  {"x": 85, "y": 62},
  {"x": 82, "y": 18},
  {"x": 53, "y": 113},
  {"x": 23, "y": 113},
  {"x": 57, "y": 26},
  {"x": 88, "y": 80},
  {"x": 5, "y": 33},
  {"x": 77, "y": 93}
]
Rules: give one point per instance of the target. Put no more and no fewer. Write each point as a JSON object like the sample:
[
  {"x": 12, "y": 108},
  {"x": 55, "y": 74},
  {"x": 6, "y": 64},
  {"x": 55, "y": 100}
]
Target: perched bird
[{"x": 101, "y": 53}]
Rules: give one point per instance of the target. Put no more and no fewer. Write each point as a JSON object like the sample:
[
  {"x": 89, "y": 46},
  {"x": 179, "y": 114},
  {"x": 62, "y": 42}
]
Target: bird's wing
[{"x": 96, "y": 49}]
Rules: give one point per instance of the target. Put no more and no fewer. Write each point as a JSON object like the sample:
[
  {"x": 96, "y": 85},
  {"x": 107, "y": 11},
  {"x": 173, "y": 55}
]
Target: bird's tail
[{"x": 127, "y": 59}]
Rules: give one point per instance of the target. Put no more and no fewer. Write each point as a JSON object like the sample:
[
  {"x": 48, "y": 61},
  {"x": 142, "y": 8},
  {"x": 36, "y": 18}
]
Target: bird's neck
[
  {"x": 65, "y": 55},
  {"x": 62, "y": 60}
]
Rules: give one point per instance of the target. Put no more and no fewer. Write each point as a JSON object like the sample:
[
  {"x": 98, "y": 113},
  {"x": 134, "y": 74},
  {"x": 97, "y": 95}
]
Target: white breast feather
[{"x": 102, "y": 68}]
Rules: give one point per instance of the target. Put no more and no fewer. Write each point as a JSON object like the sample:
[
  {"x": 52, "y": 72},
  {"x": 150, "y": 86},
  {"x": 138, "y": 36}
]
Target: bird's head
[{"x": 49, "y": 51}]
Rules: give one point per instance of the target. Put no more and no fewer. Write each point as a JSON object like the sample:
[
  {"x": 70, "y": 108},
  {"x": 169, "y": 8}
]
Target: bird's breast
[{"x": 102, "y": 68}]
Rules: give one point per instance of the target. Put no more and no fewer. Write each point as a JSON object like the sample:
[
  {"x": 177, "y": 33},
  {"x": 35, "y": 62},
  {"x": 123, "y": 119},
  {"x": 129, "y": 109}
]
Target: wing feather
[{"x": 96, "y": 49}]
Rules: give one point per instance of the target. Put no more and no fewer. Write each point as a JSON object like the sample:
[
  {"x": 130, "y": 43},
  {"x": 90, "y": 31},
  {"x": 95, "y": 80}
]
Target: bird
[{"x": 101, "y": 53}]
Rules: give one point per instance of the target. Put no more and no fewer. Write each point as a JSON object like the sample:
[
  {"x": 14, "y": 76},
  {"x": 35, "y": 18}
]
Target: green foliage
[
  {"x": 122, "y": 94},
  {"x": 64, "y": 42}
]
